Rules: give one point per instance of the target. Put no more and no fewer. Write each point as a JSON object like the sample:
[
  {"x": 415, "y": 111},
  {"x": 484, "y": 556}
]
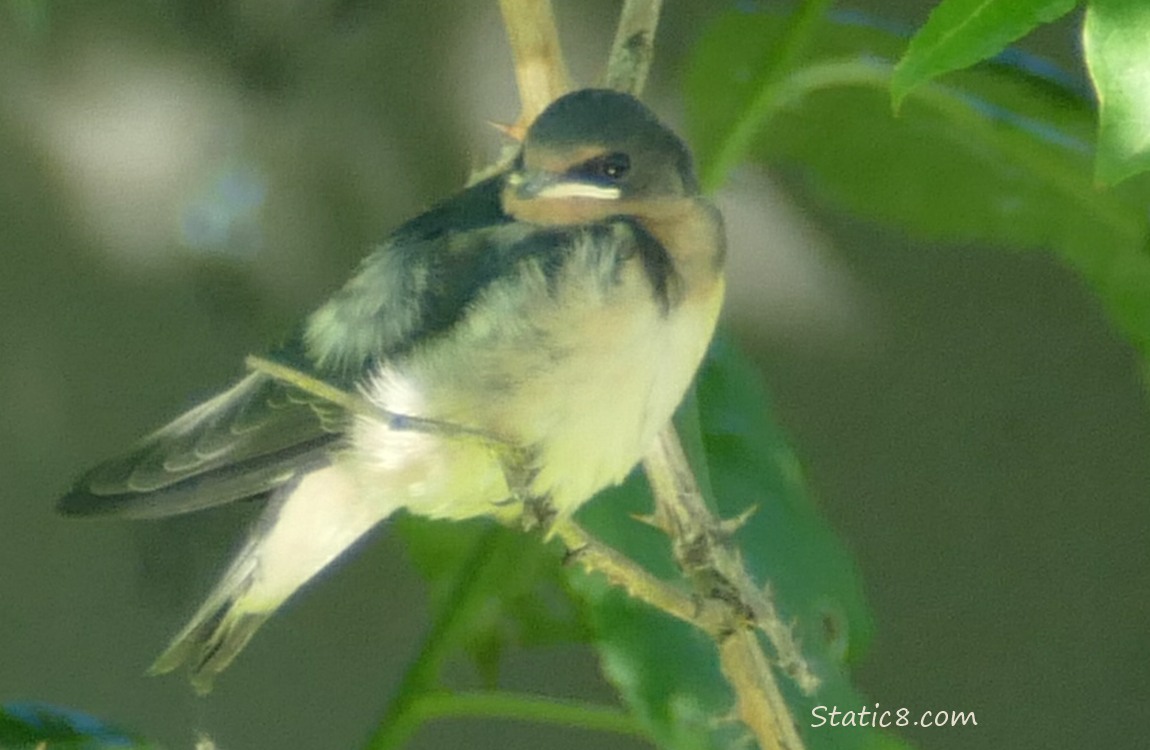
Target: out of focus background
[{"x": 181, "y": 181}]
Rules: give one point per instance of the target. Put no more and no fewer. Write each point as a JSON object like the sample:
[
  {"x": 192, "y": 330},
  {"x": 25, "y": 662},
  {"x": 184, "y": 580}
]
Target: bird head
[{"x": 593, "y": 154}]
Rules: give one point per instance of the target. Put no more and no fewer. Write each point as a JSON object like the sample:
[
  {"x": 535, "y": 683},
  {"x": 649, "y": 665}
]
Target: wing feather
[
  {"x": 261, "y": 432},
  {"x": 246, "y": 441}
]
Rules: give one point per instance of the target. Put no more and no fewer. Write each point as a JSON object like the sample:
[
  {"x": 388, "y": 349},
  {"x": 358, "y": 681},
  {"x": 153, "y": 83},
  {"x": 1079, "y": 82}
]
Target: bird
[{"x": 510, "y": 352}]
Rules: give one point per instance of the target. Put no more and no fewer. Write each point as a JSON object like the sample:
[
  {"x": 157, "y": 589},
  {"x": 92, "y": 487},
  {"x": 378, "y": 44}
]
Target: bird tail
[
  {"x": 218, "y": 631},
  {"x": 307, "y": 525}
]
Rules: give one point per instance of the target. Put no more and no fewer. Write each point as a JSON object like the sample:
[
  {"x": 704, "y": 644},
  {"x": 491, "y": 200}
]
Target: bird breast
[{"x": 580, "y": 364}]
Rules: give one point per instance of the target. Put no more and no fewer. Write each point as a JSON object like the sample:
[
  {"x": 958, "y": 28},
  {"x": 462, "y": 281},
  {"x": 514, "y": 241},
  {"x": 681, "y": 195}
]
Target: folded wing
[{"x": 244, "y": 442}]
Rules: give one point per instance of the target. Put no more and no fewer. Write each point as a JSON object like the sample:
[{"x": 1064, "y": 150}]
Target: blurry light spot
[
  {"x": 783, "y": 279},
  {"x": 225, "y": 218},
  {"x": 130, "y": 131}
]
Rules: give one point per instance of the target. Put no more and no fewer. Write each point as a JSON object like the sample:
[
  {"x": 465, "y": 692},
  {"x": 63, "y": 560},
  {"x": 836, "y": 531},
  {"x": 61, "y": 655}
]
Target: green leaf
[
  {"x": 26, "y": 726},
  {"x": 759, "y": 80},
  {"x": 960, "y": 33},
  {"x": 1116, "y": 37},
  {"x": 29, "y": 16},
  {"x": 518, "y": 588},
  {"x": 999, "y": 155},
  {"x": 786, "y": 543},
  {"x": 665, "y": 670}
]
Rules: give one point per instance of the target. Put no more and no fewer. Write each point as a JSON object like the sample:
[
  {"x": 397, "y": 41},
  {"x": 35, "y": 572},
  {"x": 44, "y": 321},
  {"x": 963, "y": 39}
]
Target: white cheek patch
[{"x": 580, "y": 190}]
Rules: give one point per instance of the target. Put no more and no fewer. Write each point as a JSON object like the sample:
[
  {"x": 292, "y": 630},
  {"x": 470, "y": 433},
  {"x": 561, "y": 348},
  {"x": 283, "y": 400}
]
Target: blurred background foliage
[{"x": 181, "y": 181}]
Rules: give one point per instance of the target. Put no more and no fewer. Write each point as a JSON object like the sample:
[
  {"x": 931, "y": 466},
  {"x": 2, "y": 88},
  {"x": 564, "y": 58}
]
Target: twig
[
  {"x": 497, "y": 704},
  {"x": 306, "y": 383},
  {"x": 540, "y": 70},
  {"x": 758, "y": 702},
  {"x": 701, "y": 547},
  {"x": 623, "y": 572},
  {"x": 634, "y": 46},
  {"x": 699, "y": 542}
]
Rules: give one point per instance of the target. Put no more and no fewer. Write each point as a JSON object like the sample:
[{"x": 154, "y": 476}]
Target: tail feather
[
  {"x": 218, "y": 631},
  {"x": 308, "y": 524}
]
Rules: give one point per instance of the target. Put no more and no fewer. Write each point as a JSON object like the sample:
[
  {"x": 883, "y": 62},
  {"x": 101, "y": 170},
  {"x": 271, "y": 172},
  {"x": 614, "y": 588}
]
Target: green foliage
[
  {"x": 998, "y": 154},
  {"x": 1116, "y": 38},
  {"x": 521, "y": 598},
  {"x": 29, "y": 16},
  {"x": 960, "y": 33},
  {"x": 493, "y": 588},
  {"x": 27, "y": 726}
]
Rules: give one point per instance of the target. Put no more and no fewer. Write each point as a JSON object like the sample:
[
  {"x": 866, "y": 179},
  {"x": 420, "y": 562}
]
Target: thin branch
[
  {"x": 747, "y": 670},
  {"x": 621, "y": 571},
  {"x": 699, "y": 542},
  {"x": 306, "y": 383},
  {"x": 466, "y": 597},
  {"x": 701, "y": 547},
  {"x": 634, "y": 46},
  {"x": 540, "y": 70}
]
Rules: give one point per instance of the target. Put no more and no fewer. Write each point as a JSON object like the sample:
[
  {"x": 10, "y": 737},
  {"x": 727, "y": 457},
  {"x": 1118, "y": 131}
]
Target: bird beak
[{"x": 548, "y": 185}]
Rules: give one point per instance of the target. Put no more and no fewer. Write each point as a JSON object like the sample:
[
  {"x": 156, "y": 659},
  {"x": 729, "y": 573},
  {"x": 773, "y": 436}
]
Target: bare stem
[
  {"x": 634, "y": 46},
  {"x": 758, "y": 702},
  {"x": 306, "y": 383},
  {"x": 621, "y": 571},
  {"x": 703, "y": 551},
  {"x": 540, "y": 70},
  {"x": 699, "y": 542}
]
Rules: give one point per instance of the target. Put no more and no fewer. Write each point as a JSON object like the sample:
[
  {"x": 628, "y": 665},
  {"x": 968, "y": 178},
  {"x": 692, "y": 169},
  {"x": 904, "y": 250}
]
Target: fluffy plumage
[{"x": 525, "y": 339}]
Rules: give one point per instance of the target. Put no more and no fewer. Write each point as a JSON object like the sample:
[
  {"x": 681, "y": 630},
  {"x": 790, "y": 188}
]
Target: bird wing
[
  {"x": 247, "y": 440},
  {"x": 261, "y": 432},
  {"x": 417, "y": 287},
  {"x": 414, "y": 287}
]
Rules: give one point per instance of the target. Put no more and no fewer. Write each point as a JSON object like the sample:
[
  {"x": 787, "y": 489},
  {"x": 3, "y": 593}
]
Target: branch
[
  {"x": 634, "y": 46},
  {"x": 308, "y": 384},
  {"x": 702, "y": 549},
  {"x": 540, "y": 71},
  {"x": 623, "y": 572},
  {"x": 700, "y": 545},
  {"x": 758, "y": 702}
]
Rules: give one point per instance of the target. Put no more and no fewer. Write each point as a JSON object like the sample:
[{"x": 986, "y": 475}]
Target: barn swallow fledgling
[{"x": 522, "y": 342}]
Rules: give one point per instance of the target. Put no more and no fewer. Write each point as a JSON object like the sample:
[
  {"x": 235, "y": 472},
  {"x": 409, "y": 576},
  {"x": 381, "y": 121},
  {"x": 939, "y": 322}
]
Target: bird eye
[{"x": 611, "y": 167}]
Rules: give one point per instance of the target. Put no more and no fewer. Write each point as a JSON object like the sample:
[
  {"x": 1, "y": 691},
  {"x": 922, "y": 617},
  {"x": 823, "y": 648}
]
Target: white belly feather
[{"x": 585, "y": 371}]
